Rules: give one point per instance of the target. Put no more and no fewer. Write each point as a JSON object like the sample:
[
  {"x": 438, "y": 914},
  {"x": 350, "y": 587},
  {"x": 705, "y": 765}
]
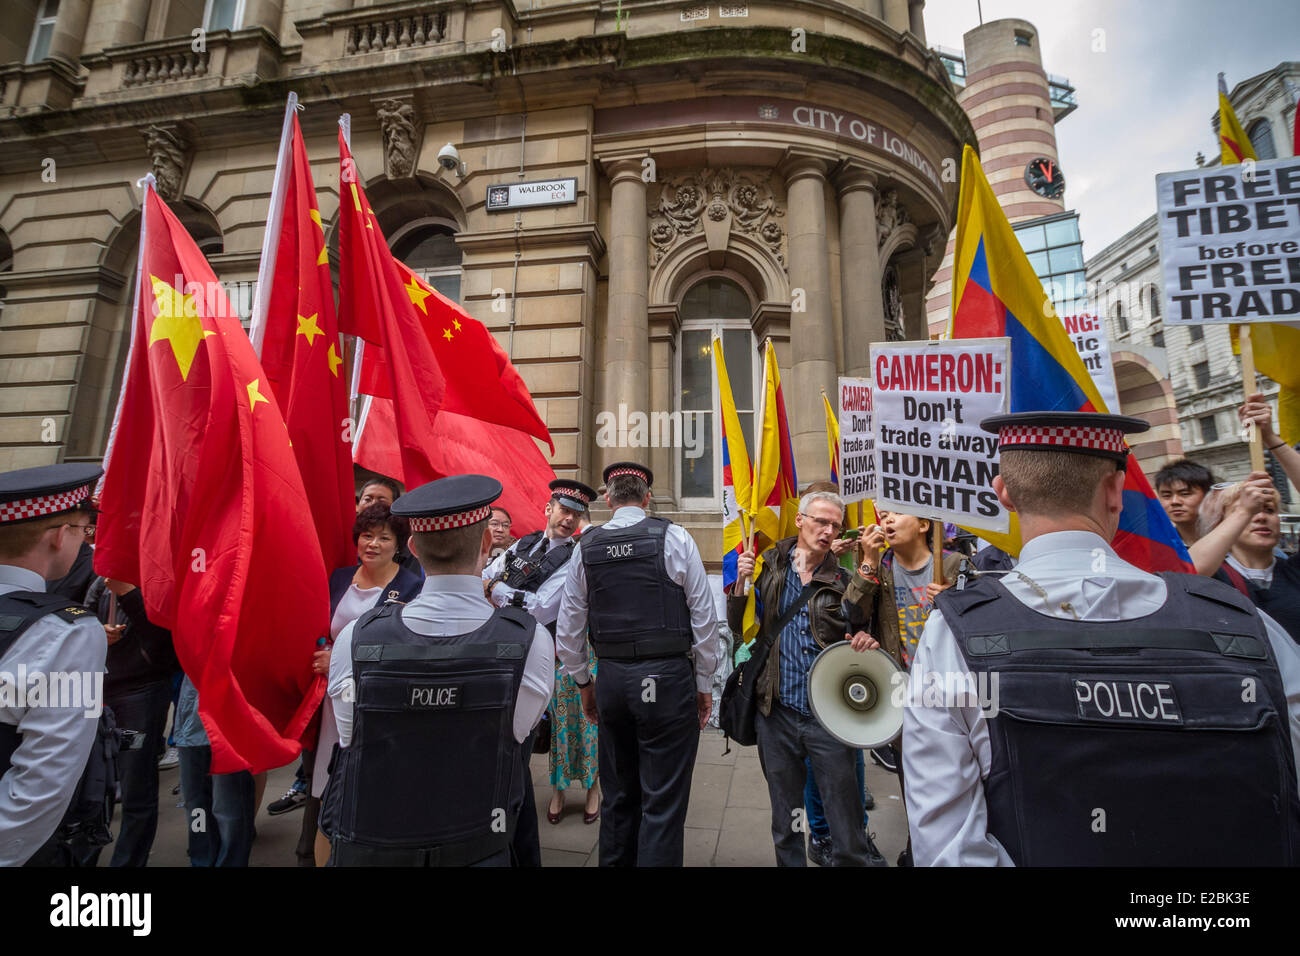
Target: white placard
[
  {"x": 857, "y": 441},
  {"x": 1230, "y": 242},
  {"x": 932, "y": 457},
  {"x": 545, "y": 192},
  {"x": 1088, "y": 333}
]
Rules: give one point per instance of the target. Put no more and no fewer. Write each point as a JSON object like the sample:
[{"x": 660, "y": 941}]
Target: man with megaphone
[
  {"x": 800, "y": 593},
  {"x": 1128, "y": 707}
]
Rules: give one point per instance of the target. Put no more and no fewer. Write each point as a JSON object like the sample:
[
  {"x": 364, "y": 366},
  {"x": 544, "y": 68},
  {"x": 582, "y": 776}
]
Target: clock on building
[{"x": 1044, "y": 177}]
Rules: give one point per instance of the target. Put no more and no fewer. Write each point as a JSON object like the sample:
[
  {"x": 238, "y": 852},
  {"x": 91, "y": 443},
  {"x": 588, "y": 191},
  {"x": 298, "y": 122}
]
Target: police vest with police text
[
  {"x": 433, "y": 775},
  {"x": 635, "y": 611},
  {"x": 523, "y": 573},
  {"x": 1113, "y": 740}
]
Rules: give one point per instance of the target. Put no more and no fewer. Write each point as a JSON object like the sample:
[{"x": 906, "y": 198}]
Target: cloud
[{"x": 1146, "y": 100}]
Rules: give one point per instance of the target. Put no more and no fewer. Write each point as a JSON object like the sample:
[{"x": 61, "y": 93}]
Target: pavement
[{"x": 728, "y": 822}]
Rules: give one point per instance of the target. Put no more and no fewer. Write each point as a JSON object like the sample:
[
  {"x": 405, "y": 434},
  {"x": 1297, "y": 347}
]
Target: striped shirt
[{"x": 798, "y": 649}]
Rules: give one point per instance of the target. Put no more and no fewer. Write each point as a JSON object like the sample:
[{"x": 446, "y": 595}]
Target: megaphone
[{"x": 852, "y": 695}]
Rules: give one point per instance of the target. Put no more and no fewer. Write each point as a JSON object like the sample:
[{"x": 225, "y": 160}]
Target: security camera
[{"x": 449, "y": 159}]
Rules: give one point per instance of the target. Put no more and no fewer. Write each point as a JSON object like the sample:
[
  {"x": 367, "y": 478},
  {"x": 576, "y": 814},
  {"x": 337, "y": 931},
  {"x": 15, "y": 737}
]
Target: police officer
[
  {"x": 527, "y": 571},
  {"x": 527, "y": 574},
  {"x": 44, "y": 742},
  {"x": 1108, "y": 712},
  {"x": 638, "y": 583},
  {"x": 433, "y": 700}
]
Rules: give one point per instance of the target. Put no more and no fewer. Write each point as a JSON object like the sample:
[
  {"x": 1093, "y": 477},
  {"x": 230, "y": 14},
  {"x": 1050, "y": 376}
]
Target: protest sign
[
  {"x": 1230, "y": 242},
  {"x": 932, "y": 458},
  {"x": 857, "y": 441},
  {"x": 1088, "y": 333}
]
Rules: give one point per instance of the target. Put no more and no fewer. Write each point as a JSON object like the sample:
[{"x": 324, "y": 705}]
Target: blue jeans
[
  {"x": 812, "y": 799},
  {"x": 221, "y": 833}
]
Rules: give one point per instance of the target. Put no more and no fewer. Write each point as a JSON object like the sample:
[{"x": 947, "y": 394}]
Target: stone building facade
[{"x": 752, "y": 170}]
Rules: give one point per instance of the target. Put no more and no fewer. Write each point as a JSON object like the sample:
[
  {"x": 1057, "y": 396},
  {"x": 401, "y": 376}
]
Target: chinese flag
[
  {"x": 203, "y": 507},
  {"x": 300, "y": 348}
]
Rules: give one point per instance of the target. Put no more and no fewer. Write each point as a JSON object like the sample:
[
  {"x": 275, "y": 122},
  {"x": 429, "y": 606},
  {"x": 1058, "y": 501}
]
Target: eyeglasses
[
  {"x": 824, "y": 523},
  {"x": 498, "y": 524}
]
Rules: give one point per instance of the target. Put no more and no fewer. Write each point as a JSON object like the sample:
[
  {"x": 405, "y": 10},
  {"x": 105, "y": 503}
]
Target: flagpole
[
  {"x": 274, "y": 221},
  {"x": 358, "y": 343},
  {"x": 147, "y": 182},
  {"x": 1248, "y": 377},
  {"x": 936, "y": 548},
  {"x": 758, "y": 464}
]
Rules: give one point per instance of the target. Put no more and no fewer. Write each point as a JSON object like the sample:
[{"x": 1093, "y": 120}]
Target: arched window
[
  {"x": 428, "y": 247},
  {"x": 716, "y": 306},
  {"x": 1153, "y": 303},
  {"x": 1261, "y": 139}
]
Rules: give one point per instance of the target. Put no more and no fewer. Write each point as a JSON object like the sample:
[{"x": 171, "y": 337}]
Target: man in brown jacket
[{"x": 787, "y": 731}]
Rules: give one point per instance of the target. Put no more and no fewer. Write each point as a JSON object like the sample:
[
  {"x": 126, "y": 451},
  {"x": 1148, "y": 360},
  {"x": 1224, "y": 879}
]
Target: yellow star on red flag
[
  {"x": 417, "y": 294},
  {"x": 307, "y": 326},
  {"x": 334, "y": 360},
  {"x": 178, "y": 322},
  {"x": 255, "y": 396},
  {"x": 446, "y": 334}
]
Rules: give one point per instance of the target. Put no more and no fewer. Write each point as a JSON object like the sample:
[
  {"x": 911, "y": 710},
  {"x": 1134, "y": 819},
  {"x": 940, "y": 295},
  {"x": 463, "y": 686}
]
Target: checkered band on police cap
[
  {"x": 1063, "y": 437},
  {"x": 626, "y": 471},
  {"x": 447, "y": 522},
  {"x": 42, "y": 505}
]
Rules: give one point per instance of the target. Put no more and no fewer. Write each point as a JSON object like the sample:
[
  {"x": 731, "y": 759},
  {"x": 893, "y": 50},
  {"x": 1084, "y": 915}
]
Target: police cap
[
  {"x": 448, "y": 502},
  {"x": 31, "y": 493},
  {"x": 574, "y": 495},
  {"x": 1083, "y": 433},
  {"x": 629, "y": 468}
]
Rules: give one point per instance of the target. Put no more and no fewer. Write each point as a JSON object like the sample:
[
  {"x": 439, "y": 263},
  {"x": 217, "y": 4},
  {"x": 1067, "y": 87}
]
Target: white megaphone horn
[{"x": 851, "y": 694}]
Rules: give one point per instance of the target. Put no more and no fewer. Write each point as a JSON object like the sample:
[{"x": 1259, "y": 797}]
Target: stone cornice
[{"x": 502, "y": 240}]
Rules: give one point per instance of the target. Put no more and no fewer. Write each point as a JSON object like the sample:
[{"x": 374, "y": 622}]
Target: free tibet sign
[
  {"x": 1230, "y": 242},
  {"x": 544, "y": 192},
  {"x": 932, "y": 457}
]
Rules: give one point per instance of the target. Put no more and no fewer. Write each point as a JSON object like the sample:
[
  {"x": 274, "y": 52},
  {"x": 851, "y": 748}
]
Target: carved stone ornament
[
  {"x": 889, "y": 215},
  {"x": 397, "y": 121},
  {"x": 892, "y": 297},
  {"x": 741, "y": 199},
  {"x": 166, "y": 146}
]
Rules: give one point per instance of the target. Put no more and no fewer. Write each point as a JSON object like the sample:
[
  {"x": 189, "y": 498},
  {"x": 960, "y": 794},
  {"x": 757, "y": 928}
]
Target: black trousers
[
  {"x": 526, "y": 847},
  {"x": 649, "y": 732}
]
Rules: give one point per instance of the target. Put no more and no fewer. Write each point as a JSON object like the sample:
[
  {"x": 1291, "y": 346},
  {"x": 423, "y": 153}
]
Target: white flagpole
[
  {"x": 274, "y": 219},
  {"x": 359, "y": 344},
  {"x": 147, "y": 182}
]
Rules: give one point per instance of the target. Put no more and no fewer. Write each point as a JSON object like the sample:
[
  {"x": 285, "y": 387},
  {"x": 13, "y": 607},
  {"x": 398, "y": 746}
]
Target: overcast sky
[{"x": 1145, "y": 103}]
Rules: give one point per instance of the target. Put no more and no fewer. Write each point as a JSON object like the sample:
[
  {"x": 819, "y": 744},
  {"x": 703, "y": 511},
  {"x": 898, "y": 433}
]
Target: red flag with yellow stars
[
  {"x": 203, "y": 507},
  {"x": 296, "y": 331}
]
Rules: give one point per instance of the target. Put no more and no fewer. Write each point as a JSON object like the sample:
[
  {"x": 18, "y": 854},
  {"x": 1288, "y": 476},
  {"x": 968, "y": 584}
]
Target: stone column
[
  {"x": 863, "y": 310},
  {"x": 916, "y": 18},
  {"x": 127, "y": 23},
  {"x": 262, "y": 13},
  {"x": 897, "y": 15},
  {"x": 627, "y": 329},
  {"x": 70, "y": 31},
  {"x": 812, "y": 332}
]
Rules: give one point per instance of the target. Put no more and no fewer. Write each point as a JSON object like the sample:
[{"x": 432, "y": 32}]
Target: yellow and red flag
[
  {"x": 735, "y": 473},
  {"x": 295, "y": 331},
  {"x": 203, "y": 507},
  {"x": 1233, "y": 141}
]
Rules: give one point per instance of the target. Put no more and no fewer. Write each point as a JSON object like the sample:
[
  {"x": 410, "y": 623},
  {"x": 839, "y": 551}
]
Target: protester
[
  {"x": 1037, "y": 767},
  {"x": 1182, "y": 485},
  {"x": 499, "y": 525},
  {"x": 138, "y": 686},
  {"x": 795, "y": 570},
  {"x": 374, "y": 581},
  {"x": 1242, "y": 528}
]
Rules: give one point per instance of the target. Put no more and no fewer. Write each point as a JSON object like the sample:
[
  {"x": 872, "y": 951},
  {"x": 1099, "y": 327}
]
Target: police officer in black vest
[
  {"x": 1091, "y": 713},
  {"x": 46, "y": 733},
  {"x": 638, "y": 583},
  {"x": 433, "y": 700},
  {"x": 527, "y": 574}
]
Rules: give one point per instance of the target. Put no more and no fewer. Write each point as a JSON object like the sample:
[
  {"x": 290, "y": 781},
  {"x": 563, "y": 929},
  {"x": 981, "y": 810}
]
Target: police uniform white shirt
[
  {"x": 685, "y": 568},
  {"x": 447, "y": 605},
  {"x": 47, "y": 766},
  {"x": 544, "y": 603},
  {"x": 946, "y": 751}
]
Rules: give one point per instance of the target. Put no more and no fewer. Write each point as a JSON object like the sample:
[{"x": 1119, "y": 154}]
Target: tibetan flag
[
  {"x": 774, "y": 493},
  {"x": 203, "y": 507},
  {"x": 296, "y": 334},
  {"x": 997, "y": 293},
  {"x": 1233, "y": 141},
  {"x": 735, "y": 473}
]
